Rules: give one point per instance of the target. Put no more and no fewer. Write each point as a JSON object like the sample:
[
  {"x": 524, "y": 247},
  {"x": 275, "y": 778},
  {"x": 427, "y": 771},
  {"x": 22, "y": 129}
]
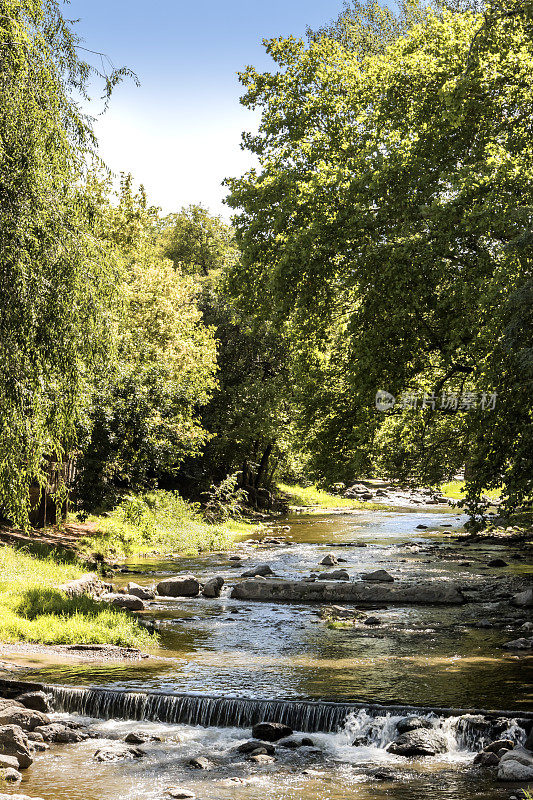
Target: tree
[
  {"x": 394, "y": 195},
  {"x": 52, "y": 276},
  {"x": 145, "y": 415}
]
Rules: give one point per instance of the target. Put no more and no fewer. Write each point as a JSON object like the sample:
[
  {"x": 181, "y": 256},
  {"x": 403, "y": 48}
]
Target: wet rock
[
  {"x": 127, "y": 601},
  {"x": 25, "y": 718},
  {"x": 290, "y": 744},
  {"x": 213, "y": 587},
  {"x": 14, "y": 742},
  {"x": 419, "y": 742},
  {"x": 60, "y": 733},
  {"x": 255, "y": 744},
  {"x": 330, "y": 560},
  {"x": 262, "y": 570},
  {"x": 271, "y": 731},
  {"x": 519, "y": 644},
  {"x": 141, "y": 738},
  {"x": 37, "y": 701},
  {"x": 142, "y": 592},
  {"x": 351, "y": 592},
  {"x": 485, "y": 759},
  {"x": 307, "y": 742},
  {"x": 372, "y": 621},
  {"x": 516, "y": 765},
  {"x": 7, "y": 762},
  {"x": 379, "y": 576},
  {"x": 200, "y": 762},
  {"x": 384, "y": 775},
  {"x": 334, "y": 575},
  {"x": 339, "y": 612},
  {"x": 499, "y": 744},
  {"x": 421, "y": 527},
  {"x": 413, "y": 723},
  {"x": 262, "y": 758},
  {"x": 498, "y": 562},
  {"x": 180, "y": 794},
  {"x": 179, "y": 586},
  {"x": 10, "y": 775},
  {"x": 523, "y": 599},
  {"x": 529, "y": 741},
  {"x": 117, "y": 751}
]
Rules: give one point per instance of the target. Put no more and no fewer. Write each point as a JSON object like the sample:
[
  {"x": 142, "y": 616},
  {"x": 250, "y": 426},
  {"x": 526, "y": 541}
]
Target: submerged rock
[
  {"x": 179, "y": 586},
  {"x": 419, "y": 742},
  {"x": 271, "y": 731}
]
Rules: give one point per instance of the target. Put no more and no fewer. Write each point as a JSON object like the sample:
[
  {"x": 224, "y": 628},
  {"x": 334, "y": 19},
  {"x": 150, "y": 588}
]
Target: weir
[{"x": 240, "y": 712}]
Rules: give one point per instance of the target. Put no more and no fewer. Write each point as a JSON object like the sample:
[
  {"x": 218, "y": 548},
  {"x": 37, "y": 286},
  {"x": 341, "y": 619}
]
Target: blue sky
[{"x": 179, "y": 133}]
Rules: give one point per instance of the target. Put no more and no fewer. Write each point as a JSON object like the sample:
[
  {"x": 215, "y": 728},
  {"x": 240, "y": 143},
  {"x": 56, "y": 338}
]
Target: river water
[{"x": 424, "y": 655}]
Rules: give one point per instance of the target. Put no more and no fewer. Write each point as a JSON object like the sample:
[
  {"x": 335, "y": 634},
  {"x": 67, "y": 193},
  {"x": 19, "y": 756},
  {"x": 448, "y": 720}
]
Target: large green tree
[
  {"x": 53, "y": 279},
  {"x": 389, "y": 220}
]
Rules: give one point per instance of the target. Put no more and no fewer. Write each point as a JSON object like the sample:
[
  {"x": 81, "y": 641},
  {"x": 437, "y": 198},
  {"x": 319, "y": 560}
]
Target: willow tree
[
  {"x": 52, "y": 277},
  {"x": 390, "y": 219}
]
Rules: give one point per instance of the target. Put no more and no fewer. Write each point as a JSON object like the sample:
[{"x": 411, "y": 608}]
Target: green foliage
[
  {"x": 197, "y": 242},
  {"x": 389, "y": 223},
  {"x": 158, "y": 522},
  {"x": 144, "y": 420},
  {"x": 32, "y": 610},
  {"x": 313, "y": 497},
  {"x": 225, "y": 501}
]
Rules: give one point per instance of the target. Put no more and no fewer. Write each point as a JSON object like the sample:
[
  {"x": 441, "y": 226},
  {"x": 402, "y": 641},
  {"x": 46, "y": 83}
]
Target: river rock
[
  {"x": 523, "y": 599},
  {"x": 127, "y": 601},
  {"x": 14, "y": 742},
  {"x": 7, "y": 762},
  {"x": 180, "y": 794},
  {"x": 117, "y": 751},
  {"x": 485, "y": 759},
  {"x": 519, "y": 644},
  {"x": 10, "y": 775},
  {"x": 61, "y": 733},
  {"x": 419, "y": 742},
  {"x": 307, "y": 742},
  {"x": 37, "y": 701},
  {"x": 25, "y": 718},
  {"x": 498, "y": 562},
  {"x": 330, "y": 560},
  {"x": 271, "y": 731},
  {"x": 262, "y": 570},
  {"x": 499, "y": 744},
  {"x": 516, "y": 765},
  {"x": 89, "y": 584},
  {"x": 255, "y": 744},
  {"x": 179, "y": 586},
  {"x": 262, "y": 758},
  {"x": 334, "y": 575},
  {"x": 350, "y": 592},
  {"x": 201, "y": 762},
  {"x": 140, "y": 737},
  {"x": 379, "y": 576},
  {"x": 142, "y": 592},
  {"x": 528, "y": 744},
  {"x": 213, "y": 587},
  {"x": 413, "y": 723},
  {"x": 372, "y": 621},
  {"x": 421, "y": 527}
]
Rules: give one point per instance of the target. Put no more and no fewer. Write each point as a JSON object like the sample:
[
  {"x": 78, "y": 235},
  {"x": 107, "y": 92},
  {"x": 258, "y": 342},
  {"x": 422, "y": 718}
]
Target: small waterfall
[{"x": 469, "y": 731}]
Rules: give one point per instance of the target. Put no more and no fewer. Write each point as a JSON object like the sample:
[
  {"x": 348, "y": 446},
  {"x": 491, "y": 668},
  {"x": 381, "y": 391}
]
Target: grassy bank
[
  {"x": 159, "y": 523},
  {"x": 33, "y": 610},
  {"x": 311, "y": 497},
  {"x": 455, "y": 490}
]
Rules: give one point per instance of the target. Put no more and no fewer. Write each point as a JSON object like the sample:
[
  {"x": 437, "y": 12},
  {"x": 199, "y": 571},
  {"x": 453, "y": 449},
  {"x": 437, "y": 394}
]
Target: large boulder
[
  {"x": 213, "y": 587},
  {"x": 516, "y": 765},
  {"x": 142, "y": 592},
  {"x": 419, "y": 742},
  {"x": 349, "y": 592},
  {"x": 271, "y": 731},
  {"x": 38, "y": 701},
  {"x": 379, "y": 576},
  {"x": 412, "y": 724},
  {"x": 179, "y": 586},
  {"x": 14, "y": 742},
  {"x": 25, "y": 718},
  {"x": 523, "y": 599}
]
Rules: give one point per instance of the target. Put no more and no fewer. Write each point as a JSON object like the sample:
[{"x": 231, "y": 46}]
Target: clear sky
[{"x": 179, "y": 133}]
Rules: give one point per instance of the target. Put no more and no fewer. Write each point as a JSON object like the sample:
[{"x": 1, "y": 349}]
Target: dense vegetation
[{"x": 383, "y": 243}]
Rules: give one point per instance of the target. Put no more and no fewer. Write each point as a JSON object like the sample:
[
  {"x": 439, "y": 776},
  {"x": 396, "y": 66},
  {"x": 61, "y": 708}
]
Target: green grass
[
  {"x": 158, "y": 523},
  {"x": 454, "y": 490},
  {"x": 311, "y": 497},
  {"x": 33, "y": 610}
]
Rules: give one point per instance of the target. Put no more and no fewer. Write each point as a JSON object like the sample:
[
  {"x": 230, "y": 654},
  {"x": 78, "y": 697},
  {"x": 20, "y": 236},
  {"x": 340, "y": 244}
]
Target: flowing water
[{"x": 431, "y": 656}]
